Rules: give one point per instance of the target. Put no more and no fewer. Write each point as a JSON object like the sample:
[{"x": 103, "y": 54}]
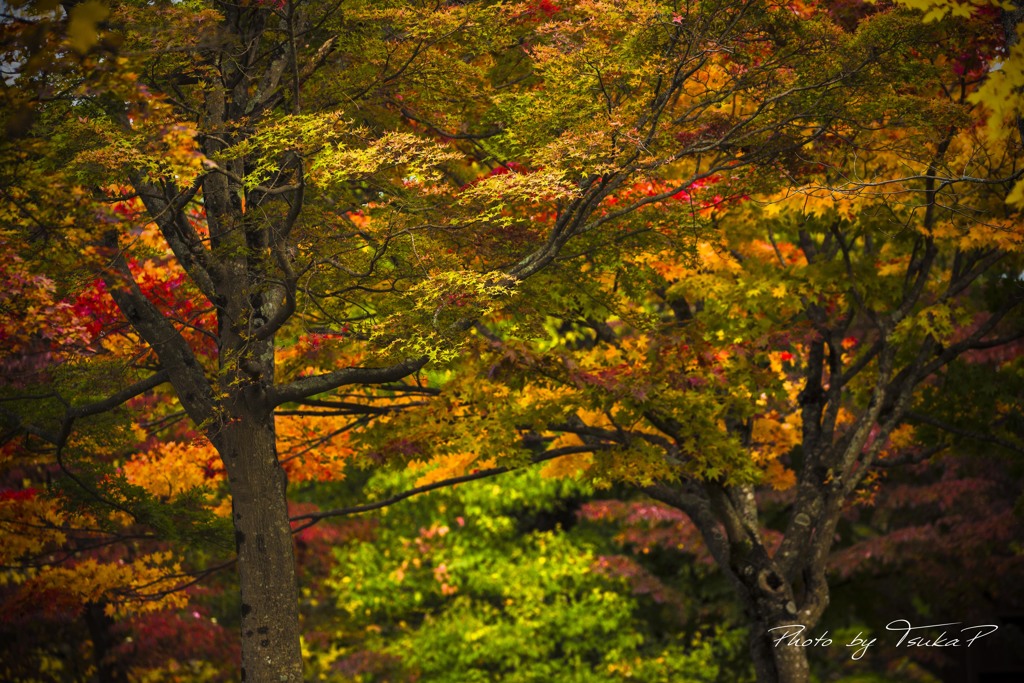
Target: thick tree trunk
[
  {"x": 266, "y": 558},
  {"x": 780, "y": 663}
]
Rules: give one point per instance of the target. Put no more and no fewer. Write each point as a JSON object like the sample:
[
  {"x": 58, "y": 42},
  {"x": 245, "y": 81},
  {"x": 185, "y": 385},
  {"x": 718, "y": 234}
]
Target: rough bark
[
  {"x": 266, "y": 559},
  {"x": 771, "y": 617},
  {"x": 781, "y": 663},
  {"x": 772, "y": 612}
]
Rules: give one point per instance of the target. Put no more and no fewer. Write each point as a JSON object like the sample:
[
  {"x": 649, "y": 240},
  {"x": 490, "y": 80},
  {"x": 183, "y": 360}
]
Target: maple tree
[
  {"x": 295, "y": 214},
  {"x": 793, "y": 350}
]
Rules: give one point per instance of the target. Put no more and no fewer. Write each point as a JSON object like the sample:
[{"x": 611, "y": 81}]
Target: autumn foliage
[{"x": 695, "y": 318}]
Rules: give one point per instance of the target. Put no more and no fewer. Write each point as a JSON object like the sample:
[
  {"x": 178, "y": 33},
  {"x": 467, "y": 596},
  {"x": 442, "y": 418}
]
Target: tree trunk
[
  {"x": 266, "y": 557},
  {"x": 100, "y": 626},
  {"x": 780, "y": 663}
]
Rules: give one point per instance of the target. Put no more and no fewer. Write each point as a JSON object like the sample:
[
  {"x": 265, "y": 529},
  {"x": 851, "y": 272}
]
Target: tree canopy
[{"x": 731, "y": 257}]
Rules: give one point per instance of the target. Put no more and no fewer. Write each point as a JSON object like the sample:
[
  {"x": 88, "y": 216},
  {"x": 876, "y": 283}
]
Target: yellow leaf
[{"x": 83, "y": 31}]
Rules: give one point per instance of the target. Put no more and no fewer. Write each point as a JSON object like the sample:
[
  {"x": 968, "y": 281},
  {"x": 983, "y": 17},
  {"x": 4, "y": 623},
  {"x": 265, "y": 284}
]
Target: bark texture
[{"x": 266, "y": 562}]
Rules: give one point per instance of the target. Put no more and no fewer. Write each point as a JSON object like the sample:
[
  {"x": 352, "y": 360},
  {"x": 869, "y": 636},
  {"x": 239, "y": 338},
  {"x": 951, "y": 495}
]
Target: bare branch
[
  {"x": 318, "y": 384},
  {"x": 314, "y": 517}
]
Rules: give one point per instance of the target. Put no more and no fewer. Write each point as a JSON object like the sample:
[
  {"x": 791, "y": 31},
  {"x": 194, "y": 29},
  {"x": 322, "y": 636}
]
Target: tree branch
[
  {"x": 966, "y": 433},
  {"x": 310, "y": 386},
  {"x": 120, "y": 397},
  {"x": 314, "y": 517},
  {"x": 176, "y": 356}
]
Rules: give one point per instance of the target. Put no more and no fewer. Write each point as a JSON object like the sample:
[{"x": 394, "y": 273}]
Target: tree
[
  {"x": 795, "y": 351},
  {"x": 366, "y": 183}
]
